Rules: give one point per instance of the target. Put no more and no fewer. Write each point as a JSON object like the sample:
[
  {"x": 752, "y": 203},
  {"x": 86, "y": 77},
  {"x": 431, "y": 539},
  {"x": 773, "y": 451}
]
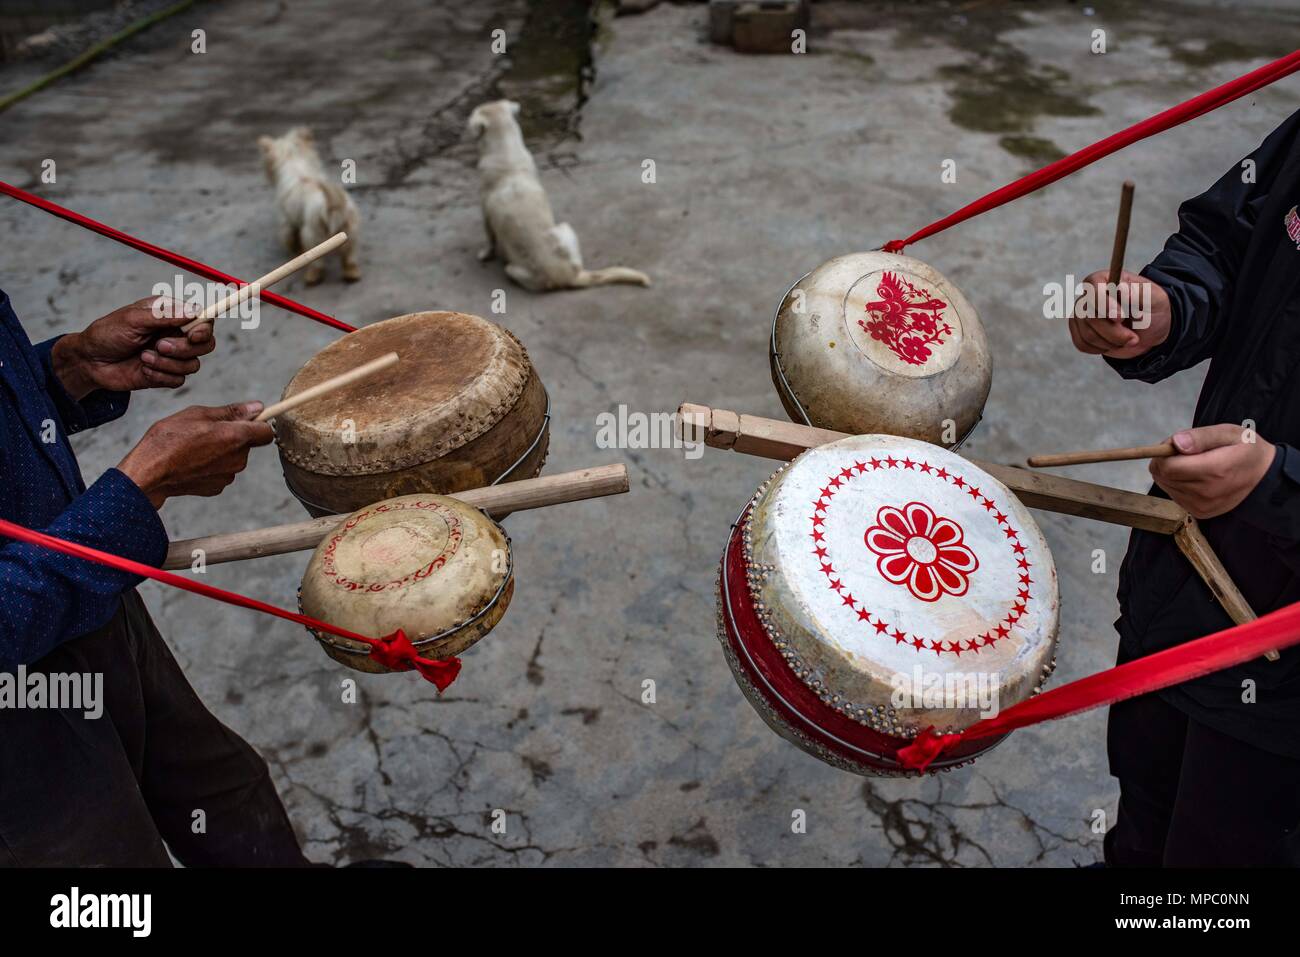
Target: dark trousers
[
  {"x": 155, "y": 772},
  {"x": 1191, "y": 796}
]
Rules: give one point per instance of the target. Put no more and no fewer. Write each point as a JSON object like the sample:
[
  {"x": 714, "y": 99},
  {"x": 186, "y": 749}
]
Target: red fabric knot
[
  {"x": 893, "y": 246},
  {"x": 395, "y": 651},
  {"x": 925, "y": 748}
]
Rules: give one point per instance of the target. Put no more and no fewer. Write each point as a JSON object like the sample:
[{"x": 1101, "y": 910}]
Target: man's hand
[
  {"x": 1097, "y": 326},
  {"x": 139, "y": 346},
  {"x": 197, "y": 451},
  {"x": 1214, "y": 470}
]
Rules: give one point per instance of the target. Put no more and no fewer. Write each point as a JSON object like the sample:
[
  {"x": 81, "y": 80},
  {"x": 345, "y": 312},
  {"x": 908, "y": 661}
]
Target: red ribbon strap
[
  {"x": 392, "y": 651},
  {"x": 166, "y": 255},
  {"x": 1223, "y": 649},
  {"x": 1196, "y": 106}
]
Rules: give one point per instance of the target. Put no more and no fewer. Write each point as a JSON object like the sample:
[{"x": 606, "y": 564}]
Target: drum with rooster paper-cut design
[
  {"x": 878, "y": 586},
  {"x": 881, "y": 343}
]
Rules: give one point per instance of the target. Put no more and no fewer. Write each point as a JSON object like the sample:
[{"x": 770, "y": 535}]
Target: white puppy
[
  {"x": 539, "y": 254},
  {"x": 312, "y": 206}
]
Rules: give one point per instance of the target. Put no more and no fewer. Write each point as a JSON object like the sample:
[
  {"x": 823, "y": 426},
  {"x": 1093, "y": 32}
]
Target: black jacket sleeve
[
  {"x": 1200, "y": 262},
  {"x": 1273, "y": 507}
]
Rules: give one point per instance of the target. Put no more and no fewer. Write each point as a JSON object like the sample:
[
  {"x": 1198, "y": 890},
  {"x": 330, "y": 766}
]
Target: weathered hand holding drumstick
[
  {"x": 200, "y": 450},
  {"x": 131, "y": 348}
]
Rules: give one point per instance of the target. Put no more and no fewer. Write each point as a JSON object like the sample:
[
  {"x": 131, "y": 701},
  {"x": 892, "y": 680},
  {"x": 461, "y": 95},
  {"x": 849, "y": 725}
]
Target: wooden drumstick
[
  {"x": 574, "y": 486},
  {"x": 1120, "y": 245},
  {"x": 270, "y": 279},
  {"x": 329, "y": 385},
  {"x": 1121, "y": 232},
  {"x": 1083, "y": 457}
]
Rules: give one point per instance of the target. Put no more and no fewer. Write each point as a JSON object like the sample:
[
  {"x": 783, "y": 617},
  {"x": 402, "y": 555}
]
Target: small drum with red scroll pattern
[
  {"x": 433, "y": 566},
  {"x": 877, "y": 342},
  {"x": 878, "y": 586}
]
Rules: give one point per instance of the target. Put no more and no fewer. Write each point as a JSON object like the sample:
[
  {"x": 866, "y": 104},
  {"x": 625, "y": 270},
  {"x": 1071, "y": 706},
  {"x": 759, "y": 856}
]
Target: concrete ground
[{"x": 765, "y": 167}]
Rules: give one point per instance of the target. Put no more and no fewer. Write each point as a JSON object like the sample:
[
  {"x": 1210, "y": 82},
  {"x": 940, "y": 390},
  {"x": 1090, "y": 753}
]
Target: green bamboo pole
[{"x": 72, "y": 66}]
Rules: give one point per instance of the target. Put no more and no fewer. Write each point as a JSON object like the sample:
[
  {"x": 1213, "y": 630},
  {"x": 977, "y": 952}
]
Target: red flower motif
[
  {"x": 905, "y": 318},
  {"x": 921, "y": 551}
]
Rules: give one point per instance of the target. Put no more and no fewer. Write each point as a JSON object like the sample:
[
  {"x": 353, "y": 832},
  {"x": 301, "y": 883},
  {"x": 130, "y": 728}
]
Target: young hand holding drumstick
[{"x": 1208, "y": 470}]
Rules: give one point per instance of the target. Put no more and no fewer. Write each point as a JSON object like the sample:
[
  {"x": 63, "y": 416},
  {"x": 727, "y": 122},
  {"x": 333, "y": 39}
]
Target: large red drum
[{"x": 878, "y": 586}]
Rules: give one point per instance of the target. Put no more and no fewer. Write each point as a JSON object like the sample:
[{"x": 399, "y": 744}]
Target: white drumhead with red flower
[{"x": 889, "y": 553}]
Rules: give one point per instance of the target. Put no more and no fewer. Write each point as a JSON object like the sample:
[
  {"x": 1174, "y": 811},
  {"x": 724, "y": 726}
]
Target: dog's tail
[{"x": 608, "y": 275}]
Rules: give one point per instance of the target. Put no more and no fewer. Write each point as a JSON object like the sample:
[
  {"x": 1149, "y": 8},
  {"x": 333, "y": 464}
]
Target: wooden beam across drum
[
  {"x": 594, "y": 482},
  {"x": 775, "y": 439}
]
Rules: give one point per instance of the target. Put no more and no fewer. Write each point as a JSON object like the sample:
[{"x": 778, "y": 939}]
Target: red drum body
[{"x": 878, "y": 586}]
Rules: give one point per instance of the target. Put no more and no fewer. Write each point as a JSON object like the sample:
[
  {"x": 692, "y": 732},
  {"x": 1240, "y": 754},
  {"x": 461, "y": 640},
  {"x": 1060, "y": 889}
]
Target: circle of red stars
[{"x": 879, "y": 625}]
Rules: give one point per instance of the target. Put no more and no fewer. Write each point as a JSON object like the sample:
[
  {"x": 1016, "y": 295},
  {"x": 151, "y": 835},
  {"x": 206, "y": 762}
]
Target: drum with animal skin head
[
  {"x": 463, "y": 408},
  {"x": 878, "y": 586},
  {"x": 430, "y": 565},
  {"x": 877, "y": 342}
]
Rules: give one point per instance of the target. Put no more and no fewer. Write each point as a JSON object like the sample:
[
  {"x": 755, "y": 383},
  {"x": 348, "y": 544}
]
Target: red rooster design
[{"x": 906, "y": 318}]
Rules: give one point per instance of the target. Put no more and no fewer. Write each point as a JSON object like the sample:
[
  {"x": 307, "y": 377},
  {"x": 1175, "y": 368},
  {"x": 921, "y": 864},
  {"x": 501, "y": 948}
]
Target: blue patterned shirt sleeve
[
  {"x": 47, "y": 597},
  {"x": 95, "y": 409}
]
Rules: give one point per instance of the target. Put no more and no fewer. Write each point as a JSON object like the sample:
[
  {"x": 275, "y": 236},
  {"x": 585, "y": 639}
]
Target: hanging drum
[
  {"x": 880, "y": 343},
  {"x": 464, "y": 408},
  {"x": 436, "y": 568},
  {"x": 878, "y": 586}
]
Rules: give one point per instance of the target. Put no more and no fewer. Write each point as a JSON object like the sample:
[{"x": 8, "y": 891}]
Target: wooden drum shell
[{"x": 464, "y": 408}]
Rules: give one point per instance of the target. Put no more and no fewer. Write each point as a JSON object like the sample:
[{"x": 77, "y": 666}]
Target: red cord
[
  {"x": 393, "y": 651},
  {"x": 176, "y": 259},
  {"x": 1196, "y": 106},
  {"x": 1223, "y": 649}
]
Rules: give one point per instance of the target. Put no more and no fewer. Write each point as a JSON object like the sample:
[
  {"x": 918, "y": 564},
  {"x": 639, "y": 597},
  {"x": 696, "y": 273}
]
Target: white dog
[
  {"x": 539, "y": 254},
  {"x": 312, "y": 206}
]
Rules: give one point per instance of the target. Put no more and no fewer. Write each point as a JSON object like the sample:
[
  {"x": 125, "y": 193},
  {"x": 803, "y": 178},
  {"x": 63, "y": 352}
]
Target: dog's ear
[
  {"x": 477, "y": 123},
  {"x": 265, "y": 144},
  {"x": 305, "y": 134}
]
